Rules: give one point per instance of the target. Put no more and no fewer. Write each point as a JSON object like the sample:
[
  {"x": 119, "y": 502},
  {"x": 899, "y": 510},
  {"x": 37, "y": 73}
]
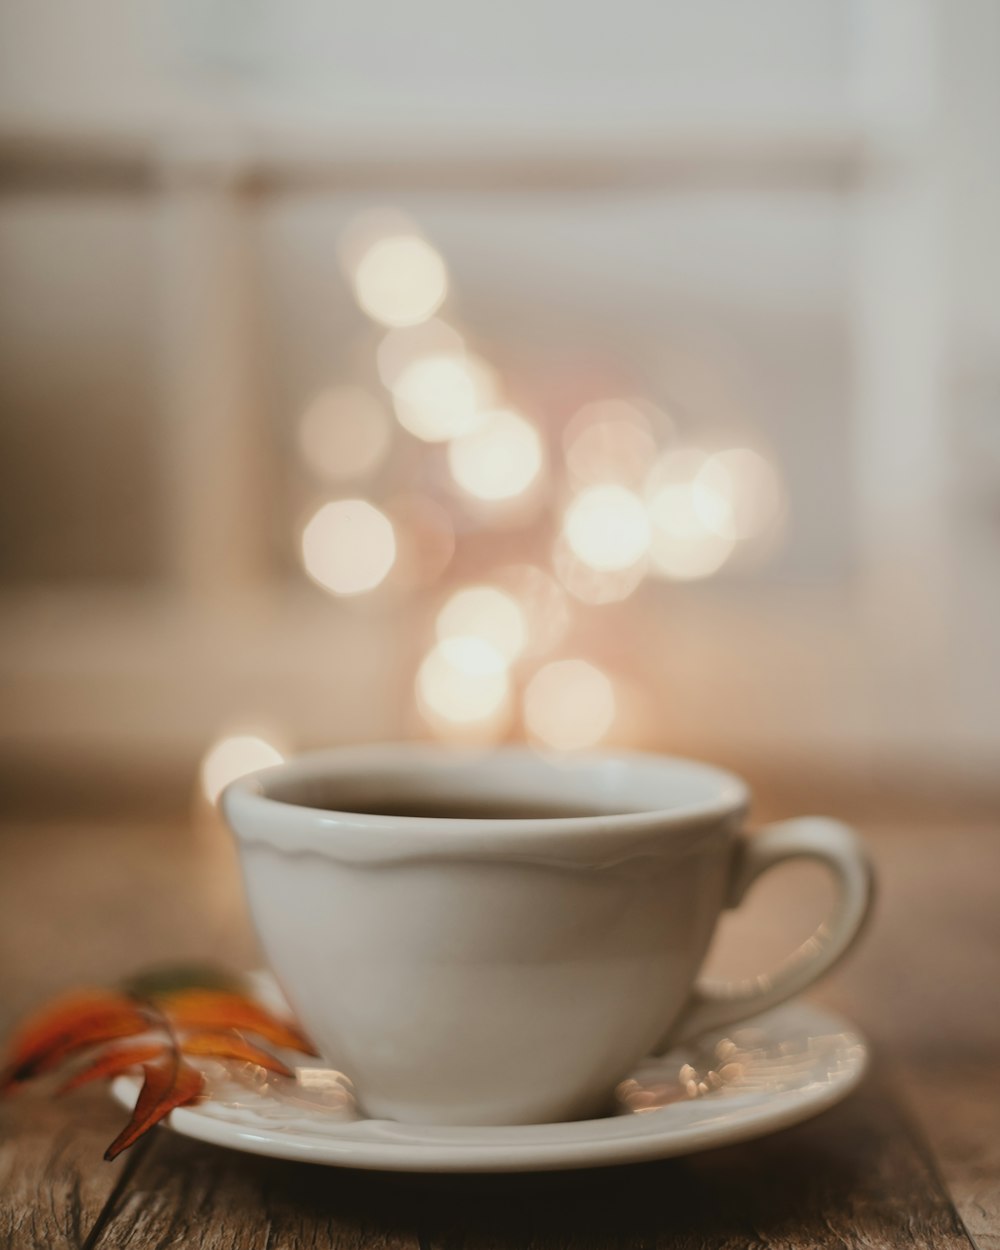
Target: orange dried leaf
[
  {"x": 114, "y": 1063},
  {"x": 67, "y": 1025},
  {"x": 226, "y": 1045},
  {"x": 214, "y": 1010},
  {"x": 168, "y": 1084}
]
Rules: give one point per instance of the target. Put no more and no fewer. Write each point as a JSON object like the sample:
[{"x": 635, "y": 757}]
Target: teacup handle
[{"x": 715, "y": 1004}]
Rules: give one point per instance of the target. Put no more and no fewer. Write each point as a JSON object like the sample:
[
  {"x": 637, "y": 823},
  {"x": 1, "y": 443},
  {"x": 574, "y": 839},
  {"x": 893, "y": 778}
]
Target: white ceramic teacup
[{"x": 510, "y": 969}]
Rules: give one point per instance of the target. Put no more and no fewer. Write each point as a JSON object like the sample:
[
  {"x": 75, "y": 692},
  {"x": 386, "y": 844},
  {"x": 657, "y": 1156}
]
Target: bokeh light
[
  {"x": 500, "y": 459},
  {"x": 542, "y": 601},
  {"x": 345, "y": 432},
  {"x": 402, "y": 346},
  {"x": 679, "y": 465},
  {"x": 462, "y": 681},
  {"x": 443, "y": 396},
  {"x": 609, "y": 441},
  {"x": 488, "y": 613},
  {"x": 683, "y": 547},
  {"x": 595, "y": 586},
  {"x": 232, "y": 757},
  {"x": 755, "y": 500},
  {"x": 568, "y": 705},
  {"x": 712, "y": 497},
  {"x": 400, "y": 280},
  {"x": 366, "y": 229},
  {"x": 348, "y": 546},
  {"x": 606, "y": 528}
]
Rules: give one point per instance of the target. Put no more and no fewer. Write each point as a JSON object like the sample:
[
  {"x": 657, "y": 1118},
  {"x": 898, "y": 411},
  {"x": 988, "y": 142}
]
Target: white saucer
[{"x": 771, "y": 1073}]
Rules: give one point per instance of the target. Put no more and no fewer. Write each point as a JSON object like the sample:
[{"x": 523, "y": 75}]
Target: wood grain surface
[
  {"x": 958, "y": 1106},
  {"x": 912, "y": 1159},
  {"x": 53, "y": 1183}
]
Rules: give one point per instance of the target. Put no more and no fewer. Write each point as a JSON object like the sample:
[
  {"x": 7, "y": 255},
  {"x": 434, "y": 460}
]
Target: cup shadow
[{"x": 837, "y": 1180}]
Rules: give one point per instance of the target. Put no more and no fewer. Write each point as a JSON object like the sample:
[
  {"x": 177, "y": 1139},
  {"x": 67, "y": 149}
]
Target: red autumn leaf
[
  {"x": 193, "y": 1010},
  {"x": 211, "y": 1009},
  {"x": 69, "y": 1024},
  {"x": 226, "y": 1045},
  {"x": 114, "y": 1063},
  {"x": 168, "y": 1084}
]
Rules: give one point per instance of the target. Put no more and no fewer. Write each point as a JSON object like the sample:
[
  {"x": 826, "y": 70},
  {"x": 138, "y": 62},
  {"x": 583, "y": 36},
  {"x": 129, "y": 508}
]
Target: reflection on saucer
[{"x": 748, "y": 1062}]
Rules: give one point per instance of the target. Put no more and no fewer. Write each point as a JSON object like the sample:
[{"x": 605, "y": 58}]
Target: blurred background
[{"x": 601, "y": 374}]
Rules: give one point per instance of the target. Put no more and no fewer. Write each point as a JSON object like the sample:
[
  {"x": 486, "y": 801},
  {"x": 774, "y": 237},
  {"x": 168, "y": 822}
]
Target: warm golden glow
[
  {"x": 606, "y": 528},
  {"x": 401, "y": 347},
  {"x": 400, "y": 280},
  {"x": 712, "y": 497},
  {"x": 500, "y": 459},
  {"x": 569, "y": 704},
  {"x": 683, "y": 547},
  {"x": 462, "y": 680},
  {"x": 595, "y": 586},
  {"x": 348, "y": 547},
  {"x": 440, "y": 397},
  {"x": 609, "y": 441},
  {"x": 488, "y": 613},
  {"x": 681, "y": 465},
  {"x": 754, "y": 498},
  {"x": 542, "y": 602},
  {"x": 345, "y": 433},
  {"x": 233, "y": 757}
]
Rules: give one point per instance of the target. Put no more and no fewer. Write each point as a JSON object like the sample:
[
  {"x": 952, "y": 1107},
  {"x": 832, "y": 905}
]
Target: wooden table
[{"x": 911, "y": 1159}]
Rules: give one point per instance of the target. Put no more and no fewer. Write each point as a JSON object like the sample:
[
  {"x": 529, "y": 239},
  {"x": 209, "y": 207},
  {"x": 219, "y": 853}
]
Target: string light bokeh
[
  {"x": 442, "y": 396},
  {"x": 498, "y": 459},
  {"x": 232, "y": 756},
  {"x": 509, "y": 528},
  {"x": 348, "y": 546},
  {"x": 487, "y": 613},
  {"x": 568, "y": 705},
  {"x": 463, "y": 684},
  {"x": 607, "y": 528},
  {"x": 400, "y": 280}
]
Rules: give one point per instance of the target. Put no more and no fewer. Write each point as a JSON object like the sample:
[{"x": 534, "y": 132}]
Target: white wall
[
  {"x": 843, "y": 311},
  {"x": 437, "y": 69}
]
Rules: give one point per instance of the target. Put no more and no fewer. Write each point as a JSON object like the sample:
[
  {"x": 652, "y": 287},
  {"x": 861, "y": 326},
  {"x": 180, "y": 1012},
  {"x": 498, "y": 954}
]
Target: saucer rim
[{"x": 656, "y": 1139}]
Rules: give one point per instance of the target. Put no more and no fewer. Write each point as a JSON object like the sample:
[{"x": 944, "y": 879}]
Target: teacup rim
[{"x": 254, "y": 814}]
